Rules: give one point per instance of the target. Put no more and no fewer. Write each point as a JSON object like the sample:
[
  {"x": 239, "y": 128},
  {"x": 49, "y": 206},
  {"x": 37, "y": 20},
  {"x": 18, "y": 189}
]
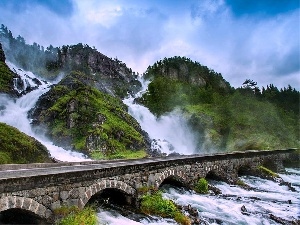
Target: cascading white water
[
  {"x": 169, "y": 132},
  {"x": 268, "y": 198},
  {"x": 265, "y": 199},
  {"x": 14, "y": 112}
]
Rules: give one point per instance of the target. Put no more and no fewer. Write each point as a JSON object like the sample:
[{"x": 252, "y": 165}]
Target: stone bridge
[{"x": 39, "y": 189}]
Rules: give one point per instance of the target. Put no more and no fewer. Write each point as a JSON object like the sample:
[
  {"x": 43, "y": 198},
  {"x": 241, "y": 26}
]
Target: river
[{"x": 265, "y": 202}]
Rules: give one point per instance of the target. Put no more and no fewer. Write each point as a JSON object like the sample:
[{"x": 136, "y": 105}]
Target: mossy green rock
[
  {"x": 17, "y": 147},
  {"x": 80, "y": 117}
]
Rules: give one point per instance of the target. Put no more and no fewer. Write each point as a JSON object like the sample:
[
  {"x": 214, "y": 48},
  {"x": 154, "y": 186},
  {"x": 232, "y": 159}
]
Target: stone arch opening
[
  {"x": 245, "y": 170},
  {"x": 291, "y": 161},
  {"x": 97, "y": 193},
  {"x": 212, "y": 175},
  {"x": 20, "y": 216},
  {"x": 173, "y": 181},
  {"x": 112, "y": 197},
  {"x": 270, "y": 164},
  {"x": 12, "y": 205},
  {"x": 175, "y": 177}
]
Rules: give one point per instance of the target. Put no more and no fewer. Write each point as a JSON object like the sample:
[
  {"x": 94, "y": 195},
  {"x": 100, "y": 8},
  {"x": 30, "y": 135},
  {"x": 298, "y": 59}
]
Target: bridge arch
[
  {"x": 102, "y": 185},
  {"x": 25, "y": 205},
  {"x": 273, "y": 164},
  {"x": 245, "y": 169},
  {"x": 214, "y": 175},
  {"x": 171, "y": 174}
]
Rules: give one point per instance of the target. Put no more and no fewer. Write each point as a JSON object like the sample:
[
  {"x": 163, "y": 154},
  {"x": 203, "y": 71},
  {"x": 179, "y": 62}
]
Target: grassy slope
[{"x": 17, "y": 147}]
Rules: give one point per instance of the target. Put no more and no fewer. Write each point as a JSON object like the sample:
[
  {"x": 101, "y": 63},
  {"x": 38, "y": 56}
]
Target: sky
[{"x": 241, "y": 39}]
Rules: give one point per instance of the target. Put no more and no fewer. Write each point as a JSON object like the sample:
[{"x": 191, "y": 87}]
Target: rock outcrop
[
  {"x": 78, "y": 116},
  {"x": 109, "y": 75},
  {"x": 6, "y": 76},
  {"x": 2, "y": 55}
]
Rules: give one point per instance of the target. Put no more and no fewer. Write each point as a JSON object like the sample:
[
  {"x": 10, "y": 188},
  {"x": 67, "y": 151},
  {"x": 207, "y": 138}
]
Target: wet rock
[
  {"x": 255, "y": 198},
  {"x": 196, "y": 221},
  {"x": 280, "y": 220},
  {"x": 214, "y": 189},
  {"x": 194, "y": 212},
  {"x": 288, "y": 184},
  {"x": 244, "y": 211}
]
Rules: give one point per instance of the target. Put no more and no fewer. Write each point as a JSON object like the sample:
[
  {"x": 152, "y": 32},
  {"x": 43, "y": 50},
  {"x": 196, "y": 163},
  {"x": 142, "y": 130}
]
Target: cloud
[{"x": 238, "y": 42}]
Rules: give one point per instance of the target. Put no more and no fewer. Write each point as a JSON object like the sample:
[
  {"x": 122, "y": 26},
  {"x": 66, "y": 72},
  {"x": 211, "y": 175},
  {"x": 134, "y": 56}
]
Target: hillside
[
  {"x": 17, "y": 147},
  {"x": 224, "y": 118},
  {"x": 79, "y": 116}
]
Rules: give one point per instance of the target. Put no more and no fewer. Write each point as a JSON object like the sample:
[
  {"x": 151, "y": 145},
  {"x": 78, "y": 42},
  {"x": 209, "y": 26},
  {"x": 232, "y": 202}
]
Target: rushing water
[
  {"x": 170, "y": 133},
  {"x": 264, "y": 199},
  {"x": 235, "y": 205},
  {"x": 14, "y": 112}
]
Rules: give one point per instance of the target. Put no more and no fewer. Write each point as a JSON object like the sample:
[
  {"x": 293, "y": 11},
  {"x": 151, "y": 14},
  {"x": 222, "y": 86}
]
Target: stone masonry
[{"x": 41, "y": 194}]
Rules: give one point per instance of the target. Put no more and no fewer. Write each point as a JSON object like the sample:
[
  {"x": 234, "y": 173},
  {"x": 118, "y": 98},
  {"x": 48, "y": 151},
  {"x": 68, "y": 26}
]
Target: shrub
[
  {"x": 155, "y": 204},
  {"x": 201, "y": 186},
  {"x": 75, "y": 216}
]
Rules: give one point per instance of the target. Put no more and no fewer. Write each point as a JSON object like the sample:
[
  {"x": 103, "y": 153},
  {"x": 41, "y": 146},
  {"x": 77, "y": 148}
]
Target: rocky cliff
[
  {"x": 6, "y": 76},
  {"x": 110, "y": 76},
  {"x": 2, "y": 55}
]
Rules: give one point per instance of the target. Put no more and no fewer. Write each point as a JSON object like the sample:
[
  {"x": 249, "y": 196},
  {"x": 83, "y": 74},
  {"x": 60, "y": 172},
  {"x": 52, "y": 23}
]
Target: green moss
[
  {"x": 267, "y": 171},
  {"x": 6, "y": 78},
  {"x": 5, "y": 158},
  {"x": 75, "y": 216},
  {"x": 17, "y": 147},
  {"x": 201, "y": 186},
  {"x": 155, "y": 204}
]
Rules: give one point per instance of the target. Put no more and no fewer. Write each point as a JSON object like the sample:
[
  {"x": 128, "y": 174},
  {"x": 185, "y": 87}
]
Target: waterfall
[
  {"x": 170, "y": 133},
  {"x": 14, "y": 112}
]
